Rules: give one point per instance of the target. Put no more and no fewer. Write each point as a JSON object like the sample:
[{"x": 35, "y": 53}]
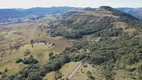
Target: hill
[
  {"x": 107, "y": 42},
  {"x": 75, "y": 24}
]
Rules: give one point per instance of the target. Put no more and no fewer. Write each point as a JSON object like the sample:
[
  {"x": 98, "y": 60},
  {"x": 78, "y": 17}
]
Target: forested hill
[
  {"x": 105, "y": 38},
  {"x": 77, "y": 23}
]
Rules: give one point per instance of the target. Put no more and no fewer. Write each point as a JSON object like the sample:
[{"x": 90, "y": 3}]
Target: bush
[
  {"x": 19, "y": 60},
  {"x": 30, "y": 60},
  {"x": 54, "y": 66},
  {"x": 50, "y": 54},
  {"x": 6, "y": 70},
  {"x": 34, "y": 76}
]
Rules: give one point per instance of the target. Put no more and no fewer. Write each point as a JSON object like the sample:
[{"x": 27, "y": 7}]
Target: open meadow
[{"x": 15, "y": 40}]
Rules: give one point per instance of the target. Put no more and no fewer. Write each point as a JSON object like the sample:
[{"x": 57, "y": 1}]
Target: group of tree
[{"x": 30, "y": 60}]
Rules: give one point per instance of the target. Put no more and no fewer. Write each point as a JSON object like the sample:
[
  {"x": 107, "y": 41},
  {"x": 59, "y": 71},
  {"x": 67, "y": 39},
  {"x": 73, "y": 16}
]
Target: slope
[
  {"x": 75, "y": 24},
  {"x": 105, "y": 38}
]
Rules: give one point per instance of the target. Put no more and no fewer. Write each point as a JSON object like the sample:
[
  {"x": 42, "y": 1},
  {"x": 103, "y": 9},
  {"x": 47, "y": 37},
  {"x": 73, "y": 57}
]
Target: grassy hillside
[{"x": 16, "y": 44}]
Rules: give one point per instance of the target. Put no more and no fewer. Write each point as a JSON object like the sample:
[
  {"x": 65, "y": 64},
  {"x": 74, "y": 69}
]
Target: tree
[
  {"x": 19, "y": 60},
  {"x": 30, "y": 60},
  {"x": 34, "y": 76},
  {"x": 50, "y": 54}
]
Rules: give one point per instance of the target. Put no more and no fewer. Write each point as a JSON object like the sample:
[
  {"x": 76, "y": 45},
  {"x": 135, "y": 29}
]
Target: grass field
[
  {"x": 40, "y": 51},
  {"x": 65, "y": 70},
  {"x": 81, "y": 74},
  {"x": 22, "y": 33}
]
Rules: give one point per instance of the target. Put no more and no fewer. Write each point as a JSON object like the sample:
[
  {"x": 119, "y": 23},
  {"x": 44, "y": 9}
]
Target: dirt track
[{"x": 76, "y": 69}]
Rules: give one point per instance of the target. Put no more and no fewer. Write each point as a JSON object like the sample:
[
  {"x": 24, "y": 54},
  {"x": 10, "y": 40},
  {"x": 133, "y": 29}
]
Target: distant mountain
[
  {"x": 9, "y": 13},
  {"x": 5, "y": 14},
  {"x": 43, "y": 11},
  {"x": 15, "y": 13},
  {"x": 137, "y": 12}
]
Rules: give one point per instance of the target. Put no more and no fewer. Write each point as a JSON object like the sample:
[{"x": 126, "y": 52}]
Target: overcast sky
[{"x": 74, "y": 3}]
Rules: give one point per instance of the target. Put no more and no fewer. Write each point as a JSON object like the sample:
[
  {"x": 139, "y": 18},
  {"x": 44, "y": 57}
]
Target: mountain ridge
[
  {"x": 16, "y": 13},
  {"x": 40, "y": 11}
]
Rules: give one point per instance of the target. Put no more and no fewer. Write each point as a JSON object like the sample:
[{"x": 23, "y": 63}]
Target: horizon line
[{"x": 63, "y": 6}]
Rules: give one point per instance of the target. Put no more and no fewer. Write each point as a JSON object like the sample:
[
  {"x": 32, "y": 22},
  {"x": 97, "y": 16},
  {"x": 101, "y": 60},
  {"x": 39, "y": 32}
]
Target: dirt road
[{"x": 76, "y": 69}]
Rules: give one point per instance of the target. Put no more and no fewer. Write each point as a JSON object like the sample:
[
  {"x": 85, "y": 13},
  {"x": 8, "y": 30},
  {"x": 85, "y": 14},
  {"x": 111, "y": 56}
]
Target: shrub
[
  {"x": 6, "y": 70},
  {"x": 50, "y": 54},
  {"x": 30, "y": 60},
  {"x": 19, "y": 60},
  {"x": 34, "y": 76}
]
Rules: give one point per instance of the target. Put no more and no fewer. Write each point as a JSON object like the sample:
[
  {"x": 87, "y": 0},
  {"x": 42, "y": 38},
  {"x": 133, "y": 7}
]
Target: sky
[{"x": 72, "y": 3}]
